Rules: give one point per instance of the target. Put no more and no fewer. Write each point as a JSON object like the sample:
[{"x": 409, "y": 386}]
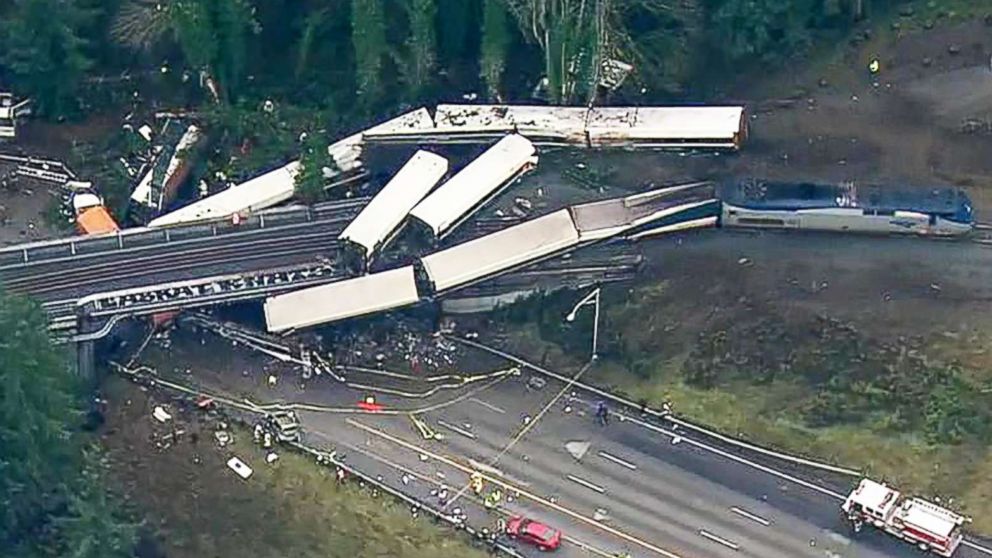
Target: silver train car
[{"x": 845, "y": 207}]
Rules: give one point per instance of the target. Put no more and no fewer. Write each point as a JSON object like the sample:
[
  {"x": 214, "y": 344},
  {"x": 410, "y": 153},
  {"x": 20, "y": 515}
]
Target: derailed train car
[{"x": 846, "y": 207}]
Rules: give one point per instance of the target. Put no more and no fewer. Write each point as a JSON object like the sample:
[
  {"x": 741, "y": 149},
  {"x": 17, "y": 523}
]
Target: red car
[{"x": 533, "y": 532}]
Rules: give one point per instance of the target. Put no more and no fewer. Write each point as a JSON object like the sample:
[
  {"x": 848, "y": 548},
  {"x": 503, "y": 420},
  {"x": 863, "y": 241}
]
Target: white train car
[
  {"x": 480, "y": 181},
  {"x": 845, "y": 208},
  {"x": 382, "y": 218}
]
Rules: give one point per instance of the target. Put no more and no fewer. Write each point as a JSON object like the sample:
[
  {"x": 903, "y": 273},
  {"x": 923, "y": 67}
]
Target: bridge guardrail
[{"x": 143, "y": 236}]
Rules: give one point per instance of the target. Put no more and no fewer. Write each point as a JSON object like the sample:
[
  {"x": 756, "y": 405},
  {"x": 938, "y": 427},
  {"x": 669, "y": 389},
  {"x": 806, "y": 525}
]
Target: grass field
[{"x": 195, "y": 506}]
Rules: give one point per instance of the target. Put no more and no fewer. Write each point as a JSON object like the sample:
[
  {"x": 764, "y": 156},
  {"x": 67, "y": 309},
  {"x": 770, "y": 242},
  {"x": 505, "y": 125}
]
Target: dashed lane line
[
  {"x": 434, "y": 482},
  {"x": 753, "y": 517},
  {"x": 585, "y": 483},
  {"x": 523, "y": 493},
  {"x": 489, "y": 406},
  {"x": 456, "y": 429},
  {"x": 719, "y": 540},
  {"x": 617, "y": 460}
]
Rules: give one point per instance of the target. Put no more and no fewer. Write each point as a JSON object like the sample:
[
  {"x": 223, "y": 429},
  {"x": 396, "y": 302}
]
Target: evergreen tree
[
  {"x": 422, "y": 46},
  {"x": 37, "y": 415},
  {"x": 43, "y": 50},
  {"x": 95, "y": 526},
  {"x": 310, "y": 180},
  {"x": 494, "y": 45},
  {"x": 368, "y": 38},
  {"x": 212, "y": 35}
]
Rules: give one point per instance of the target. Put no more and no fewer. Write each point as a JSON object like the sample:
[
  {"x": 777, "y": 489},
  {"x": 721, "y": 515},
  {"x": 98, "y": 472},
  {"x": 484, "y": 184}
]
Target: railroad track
[{"x": 101, "y": 274}]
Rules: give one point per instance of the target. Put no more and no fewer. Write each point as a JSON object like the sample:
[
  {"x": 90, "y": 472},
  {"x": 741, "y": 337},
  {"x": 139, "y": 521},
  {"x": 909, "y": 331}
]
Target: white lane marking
[
  {"x": 516, "y": 489},
  {"x": 586, "y": 484},
  {"x": 717, "y": 539},
  {"x": 617, "y": 460},
  {"x": 660, "y": 414},
  {"x": 978, "y": 547},
  {"x": 489, "y": 406},
  {"x": 751, "y": 516},
  {"x": 732, "y": 457},
  {"x": 457, "y": 429}
]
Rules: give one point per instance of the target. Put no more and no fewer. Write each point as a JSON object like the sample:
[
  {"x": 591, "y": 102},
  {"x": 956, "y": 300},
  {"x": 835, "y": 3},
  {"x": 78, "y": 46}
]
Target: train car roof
[{"x": 792, "y": 196}]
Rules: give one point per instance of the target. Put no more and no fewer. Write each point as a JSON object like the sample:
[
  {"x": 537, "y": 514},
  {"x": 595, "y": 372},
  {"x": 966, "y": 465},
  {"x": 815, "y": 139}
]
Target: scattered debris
[
  {"x": 161, "y": 414},
  {"x": 536, "y": 383},
  {"x": 271, "y": 457},
  {"x": 239, "y": 467},
  {"x": 223, "y": 438}
]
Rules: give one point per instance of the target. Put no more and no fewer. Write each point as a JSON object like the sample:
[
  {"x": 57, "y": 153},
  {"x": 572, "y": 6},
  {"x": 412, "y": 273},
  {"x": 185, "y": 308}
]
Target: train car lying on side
[{"x": 845, "y": 207}]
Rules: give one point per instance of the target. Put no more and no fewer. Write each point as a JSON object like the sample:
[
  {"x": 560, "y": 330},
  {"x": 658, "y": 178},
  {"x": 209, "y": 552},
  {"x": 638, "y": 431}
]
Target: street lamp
[{"x": 591, "y": 298}]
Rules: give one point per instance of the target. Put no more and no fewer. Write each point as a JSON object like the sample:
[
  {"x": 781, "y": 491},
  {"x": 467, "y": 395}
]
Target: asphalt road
[{"x": 632, "y": 490}]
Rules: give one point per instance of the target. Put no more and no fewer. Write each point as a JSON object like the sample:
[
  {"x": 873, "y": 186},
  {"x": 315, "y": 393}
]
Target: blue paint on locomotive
[{"x": 952, "y": 204}]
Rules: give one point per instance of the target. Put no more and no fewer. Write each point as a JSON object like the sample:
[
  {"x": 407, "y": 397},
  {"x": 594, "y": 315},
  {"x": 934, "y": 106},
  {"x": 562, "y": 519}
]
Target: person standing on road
[{"x": 602, "y": 413}]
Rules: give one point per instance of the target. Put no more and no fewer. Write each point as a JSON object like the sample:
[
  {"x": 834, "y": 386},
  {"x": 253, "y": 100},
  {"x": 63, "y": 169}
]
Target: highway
[{"x": 637, "y": 485}]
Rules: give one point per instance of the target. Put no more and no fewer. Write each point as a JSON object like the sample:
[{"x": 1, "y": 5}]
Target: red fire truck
[{"x": 927, "y": 525}]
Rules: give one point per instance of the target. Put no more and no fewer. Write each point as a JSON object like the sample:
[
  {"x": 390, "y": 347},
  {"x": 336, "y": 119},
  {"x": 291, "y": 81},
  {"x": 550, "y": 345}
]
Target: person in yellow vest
[
  {"x": 476, "y": 482},
  {"x": 493, "y": 499}
]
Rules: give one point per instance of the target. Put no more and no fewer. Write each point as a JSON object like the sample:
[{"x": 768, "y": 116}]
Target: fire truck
[{"x": 927, "y": 525}]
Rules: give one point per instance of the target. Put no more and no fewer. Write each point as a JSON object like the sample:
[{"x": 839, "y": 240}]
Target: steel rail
[{"x": 141, "y": 268}]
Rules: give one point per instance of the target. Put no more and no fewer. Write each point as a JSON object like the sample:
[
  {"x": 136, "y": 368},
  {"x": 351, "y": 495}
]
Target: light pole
[{"x": 591, "y": 298}]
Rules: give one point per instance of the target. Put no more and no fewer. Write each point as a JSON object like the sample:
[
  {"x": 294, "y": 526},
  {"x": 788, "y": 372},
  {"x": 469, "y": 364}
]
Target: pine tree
[
  {"x": 37, "y": 414},
  {"x": 43, "y": 50},
  {"x": 310, "y": 179},
  {"x": 368, "y": 38},
  {"x": 422, "y": 46},
  {"x": 495, "y": 42}
]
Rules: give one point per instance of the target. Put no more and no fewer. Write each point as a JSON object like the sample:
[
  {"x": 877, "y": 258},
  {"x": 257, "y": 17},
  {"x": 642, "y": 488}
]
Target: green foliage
[
  {"x": 954, "y": 412},
  {"x": 761, "y": 28},
  {"x": 422, "y": 46},
  {"x": 572, "y": 35},
  {"x": 310, "y": 180},
  {"x": 494, "y": 44},
  {"x": 44, "y": 52},
  {"x": 99, "y": 162},
  {"x": 94, "y": 525},
  {"x": 255, "y": 139},
  {"x": 312, "y": 23},
  {"x": 48, "y": 508},
  {"x": 368, "y": 37},
  {"x": 37, "y": 414},
  {"x": 212, "y": 35}
]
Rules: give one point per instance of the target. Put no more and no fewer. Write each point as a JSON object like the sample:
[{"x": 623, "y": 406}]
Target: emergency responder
[
  {"x": 476, "y": 482},
  {"x": 493, "y": 499},
  {"x": 602, "y": 413}
]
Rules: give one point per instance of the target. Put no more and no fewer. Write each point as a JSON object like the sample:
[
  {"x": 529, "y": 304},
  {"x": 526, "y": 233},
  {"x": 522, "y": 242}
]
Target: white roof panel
[
  {"x": 263, "y": 191},
  {"x": 391, "y": 205},
  {"x": 479, "y": 181},
  {"x": 665, "y": 123},
  {"x": 501, "y": 251},
  {"x": 348, "y": 151},
  {"x": 529, "y": 120},
  {"x": 340, "y": 300},
  {"x": 419, "y": 119}
]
